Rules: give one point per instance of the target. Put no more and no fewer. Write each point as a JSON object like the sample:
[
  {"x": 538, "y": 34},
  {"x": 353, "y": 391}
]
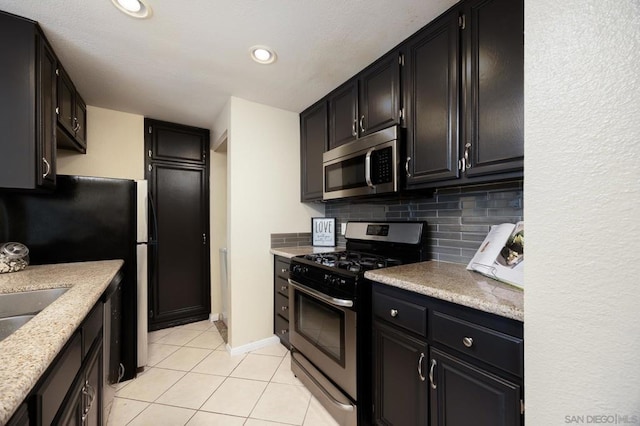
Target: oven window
[
  {"x": 345, "y": 174},
  {"x": 322, "y": 325}
]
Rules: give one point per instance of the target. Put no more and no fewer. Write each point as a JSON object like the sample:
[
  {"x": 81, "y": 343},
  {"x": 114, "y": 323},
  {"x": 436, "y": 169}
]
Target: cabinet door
[
  {"x": 176, "y": 142},
  {"x": 494, "y": 96},
  {"x": 81, "y": 122},
  {"x": 379, "y": 104},
  {"x": 343, "y": 114},
  {"x": 432, "y": 102},
  {"x": 46, "y": 104},
  {"x": 92, "y": 395},
  {"x": 400, "y": 393},
  {"x": 66, "y": 101},
  {"x": 313, "y": 140},
  {"x": 462, "y": 395}
]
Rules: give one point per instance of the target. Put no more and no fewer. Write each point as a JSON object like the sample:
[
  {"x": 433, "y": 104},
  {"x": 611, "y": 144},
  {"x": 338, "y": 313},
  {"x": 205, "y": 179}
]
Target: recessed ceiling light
[
  {"x": 263, "y": 54},
  {"x": 135, "y": 8}
]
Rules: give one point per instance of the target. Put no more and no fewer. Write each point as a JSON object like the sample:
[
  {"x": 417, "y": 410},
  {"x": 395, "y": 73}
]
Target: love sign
[{"x": 323, "y": 230}]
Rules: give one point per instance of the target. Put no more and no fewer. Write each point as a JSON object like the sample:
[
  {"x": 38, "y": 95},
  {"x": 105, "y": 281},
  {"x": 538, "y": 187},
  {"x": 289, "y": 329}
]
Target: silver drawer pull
[
  {"x": 284, "y": 331},
  {"x": 284, "y": 308},
  {"x": 394, "y": 313},
  {"x": 283, "y": 288},
  {"x": 284, "y": 270},
  {"x": 467, "y": 341}
]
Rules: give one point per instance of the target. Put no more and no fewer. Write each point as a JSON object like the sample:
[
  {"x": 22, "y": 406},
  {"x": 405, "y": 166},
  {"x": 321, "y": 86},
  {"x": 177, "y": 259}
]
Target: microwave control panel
[{"x": 382, "y": 165}]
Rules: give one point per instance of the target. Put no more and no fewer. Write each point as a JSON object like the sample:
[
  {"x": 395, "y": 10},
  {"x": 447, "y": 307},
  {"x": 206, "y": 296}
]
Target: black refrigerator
[{"x": 83, "y": 219}]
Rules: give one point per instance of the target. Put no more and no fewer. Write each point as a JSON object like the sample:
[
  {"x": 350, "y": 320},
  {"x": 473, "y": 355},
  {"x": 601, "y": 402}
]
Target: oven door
[{"x": 323, "y": 329}]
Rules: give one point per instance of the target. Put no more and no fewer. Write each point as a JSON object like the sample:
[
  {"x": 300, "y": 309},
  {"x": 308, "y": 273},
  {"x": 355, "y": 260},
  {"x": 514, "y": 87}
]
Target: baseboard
[
  {"x": 253, "y": 345},
  {"x": 214, "y": 317}
]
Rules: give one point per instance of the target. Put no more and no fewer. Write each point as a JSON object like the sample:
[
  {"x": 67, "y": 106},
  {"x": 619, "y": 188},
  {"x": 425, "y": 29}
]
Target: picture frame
[{"x": 323, "y": 231}]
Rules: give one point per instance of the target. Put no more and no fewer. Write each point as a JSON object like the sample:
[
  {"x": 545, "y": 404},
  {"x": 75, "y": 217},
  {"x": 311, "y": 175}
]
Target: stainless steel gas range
[{"x": 330, "y": 313}]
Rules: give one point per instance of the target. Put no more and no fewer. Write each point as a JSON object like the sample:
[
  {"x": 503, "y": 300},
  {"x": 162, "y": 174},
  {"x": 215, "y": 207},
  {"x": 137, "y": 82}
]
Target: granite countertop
[
  {"x": 290, "y": 252},
  {"x": 27, "y": 353},
  {"x": 453, "y": 283}
]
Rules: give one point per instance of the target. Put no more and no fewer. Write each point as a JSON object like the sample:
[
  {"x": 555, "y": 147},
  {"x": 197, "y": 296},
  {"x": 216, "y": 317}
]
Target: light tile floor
[{"x": 192, "y": 380}]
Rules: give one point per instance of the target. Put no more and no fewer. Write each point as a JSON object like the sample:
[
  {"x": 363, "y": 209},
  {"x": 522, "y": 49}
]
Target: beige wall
[
  {"x": 218, "y": 207},
  {"x": 582, "y": 198},
  {"x": 115, "y": 147},
  {"x": 263, "y": 198}
]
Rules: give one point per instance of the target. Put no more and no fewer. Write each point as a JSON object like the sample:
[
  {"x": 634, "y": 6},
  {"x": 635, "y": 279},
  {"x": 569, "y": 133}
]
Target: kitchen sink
[{"x": 16, "y": 309}]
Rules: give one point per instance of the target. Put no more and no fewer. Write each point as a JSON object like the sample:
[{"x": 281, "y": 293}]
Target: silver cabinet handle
[
  {"x": 284, "y": 331},
  {"x": 283, "y": 288},
  {"x": 204, "y": 238},
  {"x": 420, "y": 367},
  {"x": 354, "y": 131},
  {"x": 467, "y": 341},
  {"x": 362, "y": 124},
  {"x": 284, "y": 308},
  {"x": 284, "y": 270},
  {"x": 433, "y": 366},
  {"x": 394, "y": 313},
  {"x": 406, "y": 166},
  {"x": 367, "y": 168},
  {"x": 466, "y": 162},
  {"x": 46, "y": 163},
  {"x": 76, "y": 124}
]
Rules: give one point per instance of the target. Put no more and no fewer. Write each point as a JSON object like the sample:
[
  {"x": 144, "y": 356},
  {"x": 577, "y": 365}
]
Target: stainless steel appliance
[
  {"x": 330, "y": 313},
  {"x": 363, "y": 167}
]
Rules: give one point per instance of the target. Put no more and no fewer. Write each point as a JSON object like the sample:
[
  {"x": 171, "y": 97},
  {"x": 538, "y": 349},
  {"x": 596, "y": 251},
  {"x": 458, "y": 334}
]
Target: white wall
[
  {"x": 582, "y": 190},
  {"x": 115, "y": 147},
  {"x": 263, "y": 198}
]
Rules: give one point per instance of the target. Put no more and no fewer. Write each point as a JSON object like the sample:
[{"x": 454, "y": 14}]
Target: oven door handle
[
  {"x": 341, "y": 303},
  {"x": 367, "y": 168}
]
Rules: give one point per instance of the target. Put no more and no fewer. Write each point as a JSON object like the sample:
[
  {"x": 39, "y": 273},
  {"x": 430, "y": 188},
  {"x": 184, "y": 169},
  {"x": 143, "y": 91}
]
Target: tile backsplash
[
  {"x": 294, "y": 239},
  {"x": 458, "y": 218}
]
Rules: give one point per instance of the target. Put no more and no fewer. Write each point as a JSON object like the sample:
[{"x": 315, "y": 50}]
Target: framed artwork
[{"x": 323, "y": 231}]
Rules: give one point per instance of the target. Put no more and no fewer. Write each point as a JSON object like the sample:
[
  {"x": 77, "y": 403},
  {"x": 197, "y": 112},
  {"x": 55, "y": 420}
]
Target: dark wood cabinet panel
[
  {"x": 313, "y": 141},
  {"x": 379, "y": 95},
  {"x": 431, "y": 93},
  {"x": 343, "y": 114},
  {"x": 465, "y": 395},
  {"x": 72, "y": 115},
  {"x": 175, "y": 142},
  {"x": 27, "y": 106},
  {"x": 494, "y": 86},
  {"x": 400, "y": 395},
  {"x": 281, "y": 299},
  {"x": 180, "y": 260}
]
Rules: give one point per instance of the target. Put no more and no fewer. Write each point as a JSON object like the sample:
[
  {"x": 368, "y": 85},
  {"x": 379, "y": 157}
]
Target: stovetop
[{"x": 352, "y": 261}]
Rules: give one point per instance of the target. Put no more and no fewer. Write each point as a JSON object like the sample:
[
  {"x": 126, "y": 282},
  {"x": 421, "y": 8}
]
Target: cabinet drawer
[
  {"x": 282, "y": 286},
  {"x": 282, "y": 305},
  {"x": 400, "y": 312},
  {"x": 491, "y": 346},
  {"x": 281, "y": 327},
  {"x": 92, "y": 327},
  {"x": 282, "y": 267}
]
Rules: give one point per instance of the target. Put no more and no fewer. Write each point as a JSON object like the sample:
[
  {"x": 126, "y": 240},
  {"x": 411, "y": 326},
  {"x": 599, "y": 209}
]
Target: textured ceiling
[{"x": 184, "y": 63}]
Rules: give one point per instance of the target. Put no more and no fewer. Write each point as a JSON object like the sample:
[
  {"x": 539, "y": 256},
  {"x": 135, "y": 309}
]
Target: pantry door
[{"x": 179, "y": 269}]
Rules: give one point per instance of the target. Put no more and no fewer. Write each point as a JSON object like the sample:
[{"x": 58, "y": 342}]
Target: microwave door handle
[{"x": 367, "y": 168}]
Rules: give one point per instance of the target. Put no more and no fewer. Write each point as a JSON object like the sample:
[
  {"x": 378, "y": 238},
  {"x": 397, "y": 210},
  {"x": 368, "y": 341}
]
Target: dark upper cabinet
[
  {"x": 400, "y": 369},
  {"x": 343, "y": 104},
  {"x": 493, "y": 40},
  {"x": 379, "y": 95},
  {"x": 368, "y": 102},
  {"x": 72, "y": 115},
  {"x": 177, "y": 142},
  {"x": 431, "y": 101},
  {"x": 464, "y": 96},
  {"x": 27, "y": 106},
  {"x": 313, "y": 143},
  {"x": 463, "y": 394}
]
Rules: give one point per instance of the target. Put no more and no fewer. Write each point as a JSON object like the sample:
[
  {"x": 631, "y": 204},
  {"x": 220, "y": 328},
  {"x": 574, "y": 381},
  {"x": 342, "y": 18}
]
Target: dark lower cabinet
[
  {"x": 400, "y": 365},
  {"x": 281, "y": 299},
  {"x": 464, "y": 394},
  {"x": 466, "y": 370}
]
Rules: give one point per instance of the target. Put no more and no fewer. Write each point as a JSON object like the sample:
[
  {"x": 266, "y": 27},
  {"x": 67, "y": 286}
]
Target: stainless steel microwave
[{"x": 365, "y": 166}]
